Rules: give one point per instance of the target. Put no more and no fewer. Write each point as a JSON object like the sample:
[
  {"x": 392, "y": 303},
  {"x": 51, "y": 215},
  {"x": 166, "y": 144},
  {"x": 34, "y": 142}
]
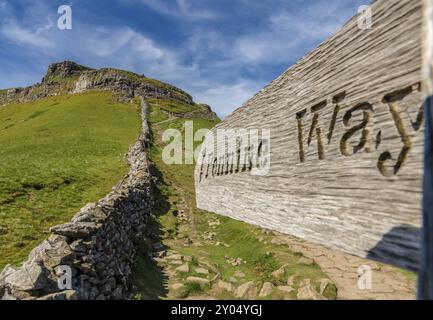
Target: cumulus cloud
[
  {"x": 288, "y": 33},
  {"x": 226, "y": 98},
  {"x": 183, "y": 9},
  {"x": 16, "y": 33}
]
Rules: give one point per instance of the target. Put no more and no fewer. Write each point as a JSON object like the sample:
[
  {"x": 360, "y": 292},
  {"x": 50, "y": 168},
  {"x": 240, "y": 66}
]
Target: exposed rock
[
  {"x": 307, "y": 292},
  {"x": 239, "y": 274},
  {"x": 291, "y": 280},
  {"x": 285, "y": 289},
  {"x": 75, "y": 230},
  {"x": 247, "y": 291},
  {"x": 63, "y": 70},
  {"x": 280, "y": 272},
  {"x": 174, "y": 257},
  {"x": 183, "y": 268},
  {"x": 176, "y": 286},
  {"x": 202, "y": 271},
  {"x": 324, "y": 284},
  {"x": 8, "y": 270},
  {"x": 226, "y": 286},
  {"x": 160, "y": 261},
  {"x": 233, "y": 280},
  {"x": 198, "y": 280},
  {"x": 266, "y": 290},
  {"x": 28, "y": 278}
]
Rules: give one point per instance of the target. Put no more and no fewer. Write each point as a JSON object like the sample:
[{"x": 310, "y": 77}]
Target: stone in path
[
  {"x": 266, "y": 290},
  {"x": 285, "y": 289},
  {"x": 202, "y": 271},
  {"x": 174, "y": 257},
  {"x": 198, "y": 280},
  {"x": 324, "y": 284},
  {"x": 226, "y": 286},
  {"x": 280, "y": 272},
  {"x": 247, "y": 291},
  {"x": 291, "y": 280},
  {"x": 177, "y": 286},
  {"x": 389, "y": 283},
  {"x": 183, "y": 268},
  {"x": 307, "y": 292}
]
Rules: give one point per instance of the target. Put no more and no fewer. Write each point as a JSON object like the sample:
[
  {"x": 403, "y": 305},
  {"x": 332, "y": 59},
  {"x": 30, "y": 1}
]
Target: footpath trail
[
  {"x": 387, "y": 283},
  {"x": 192, "y": 254}
]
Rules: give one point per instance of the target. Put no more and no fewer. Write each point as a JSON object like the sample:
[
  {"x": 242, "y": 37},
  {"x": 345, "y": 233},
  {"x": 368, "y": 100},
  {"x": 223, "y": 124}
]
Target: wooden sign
[
  {"x": 333, "y": 148},
  {"x": 425, "y": 278}
]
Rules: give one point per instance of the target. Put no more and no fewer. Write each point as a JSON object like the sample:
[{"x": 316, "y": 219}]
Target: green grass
[
  {"x": 56, "y": 155},
  {"x": 190, "y": 289}
]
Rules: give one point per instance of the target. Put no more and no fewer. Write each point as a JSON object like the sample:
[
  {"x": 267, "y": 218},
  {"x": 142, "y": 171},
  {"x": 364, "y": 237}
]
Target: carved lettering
[
  {"x": 367, "y": 110},
  {"x": 366, "y": 142},
  {"x": 393, "y": 100},
  {"x": 336, "y": 100}
]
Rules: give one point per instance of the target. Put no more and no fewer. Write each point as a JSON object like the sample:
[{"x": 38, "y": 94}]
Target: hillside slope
[{"x": 56, "y": 155}]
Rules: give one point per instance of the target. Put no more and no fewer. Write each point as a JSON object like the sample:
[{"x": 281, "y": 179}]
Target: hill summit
[{"x": 68, "y": 77}]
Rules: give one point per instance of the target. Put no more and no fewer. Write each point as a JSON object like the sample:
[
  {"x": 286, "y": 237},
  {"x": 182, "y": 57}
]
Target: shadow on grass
[{"x": 149, "y": 280}]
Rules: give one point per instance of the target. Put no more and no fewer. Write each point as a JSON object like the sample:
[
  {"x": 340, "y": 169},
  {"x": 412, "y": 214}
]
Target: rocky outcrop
[
  {"x": 96, "y": 249},
  {"x": 64, "y": 70},
  {"x": 69, "y": 77},
  {"x": 128, "y": 85}
]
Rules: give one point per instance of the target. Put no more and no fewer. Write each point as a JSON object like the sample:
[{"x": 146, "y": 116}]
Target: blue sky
[{"x": 220, "y": 51}]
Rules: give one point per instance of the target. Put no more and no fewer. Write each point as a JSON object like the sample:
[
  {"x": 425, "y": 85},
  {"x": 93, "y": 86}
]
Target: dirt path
[{"x": 388, "y": 283}]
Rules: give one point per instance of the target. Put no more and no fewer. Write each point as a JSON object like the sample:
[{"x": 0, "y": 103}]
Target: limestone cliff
[{"x": 70, "y": 77}]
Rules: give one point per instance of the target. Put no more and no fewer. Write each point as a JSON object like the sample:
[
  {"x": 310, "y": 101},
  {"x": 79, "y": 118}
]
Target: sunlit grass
[{"x": 56, "y": 155}]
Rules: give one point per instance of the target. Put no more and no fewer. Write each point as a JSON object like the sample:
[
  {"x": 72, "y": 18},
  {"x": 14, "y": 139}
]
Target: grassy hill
[{"x": 56, "y": 155}]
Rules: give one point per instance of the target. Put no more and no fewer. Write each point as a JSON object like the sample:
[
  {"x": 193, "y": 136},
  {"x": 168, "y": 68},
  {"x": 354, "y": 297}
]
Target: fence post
[{"x": 425, "y": 280}]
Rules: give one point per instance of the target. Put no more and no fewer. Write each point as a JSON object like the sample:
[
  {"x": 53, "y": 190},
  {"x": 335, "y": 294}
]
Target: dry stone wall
[
  {"x": 96, "y": 249},
  {"x": 346, "y": 144}
]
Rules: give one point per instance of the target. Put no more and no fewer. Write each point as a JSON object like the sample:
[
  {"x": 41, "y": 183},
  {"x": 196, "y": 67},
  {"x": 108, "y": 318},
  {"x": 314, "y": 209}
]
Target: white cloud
[
  {"x": 288, "y": 32},
  {"x": 184, "y": 9},
  {"x": 224, "y": 98},
  {"x": 21, "y": 35},
  {"x": 104, "y": 42}
]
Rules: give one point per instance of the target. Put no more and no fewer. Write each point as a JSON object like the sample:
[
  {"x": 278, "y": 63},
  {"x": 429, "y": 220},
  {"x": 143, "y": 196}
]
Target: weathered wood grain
[{"x": 346, "y": 143}]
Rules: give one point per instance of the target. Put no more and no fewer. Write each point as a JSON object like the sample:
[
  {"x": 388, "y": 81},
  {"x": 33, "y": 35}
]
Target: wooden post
[{"x": 425, "y": 281}]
